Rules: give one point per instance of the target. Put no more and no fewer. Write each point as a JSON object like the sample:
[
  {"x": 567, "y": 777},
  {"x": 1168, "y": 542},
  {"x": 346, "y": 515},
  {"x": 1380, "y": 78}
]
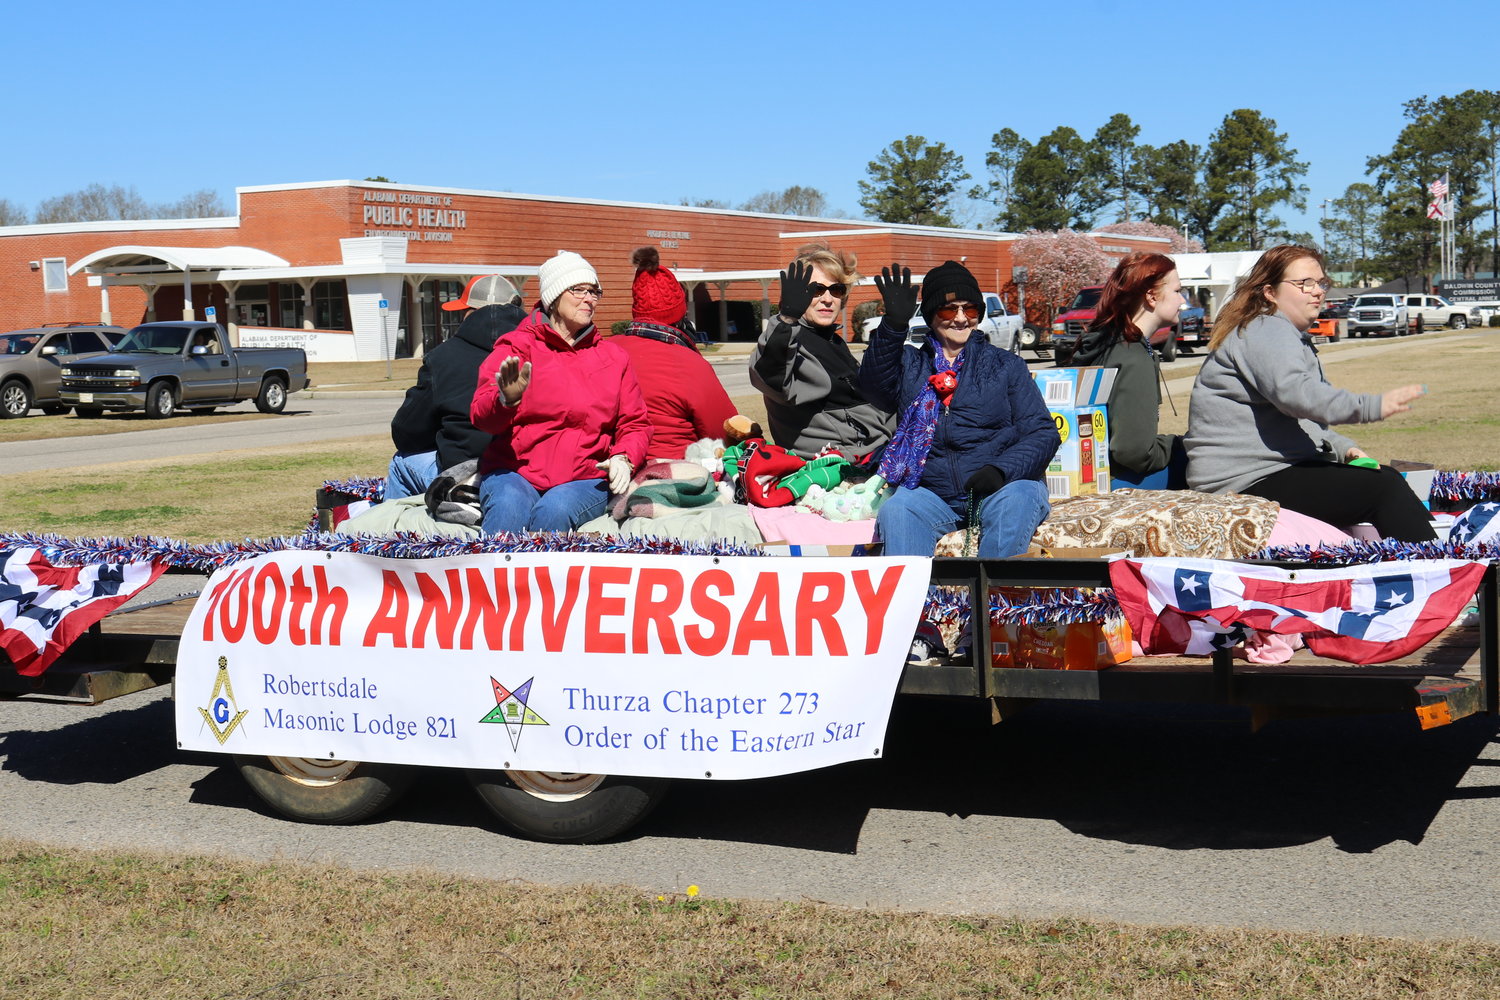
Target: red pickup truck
[{"x": 1067, "y": 329}]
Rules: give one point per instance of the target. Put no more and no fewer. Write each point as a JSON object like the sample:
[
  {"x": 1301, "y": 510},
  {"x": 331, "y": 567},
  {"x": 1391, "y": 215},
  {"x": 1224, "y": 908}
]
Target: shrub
[
  {"x": 619, "y": 326},
  {"x": 1495, "y": 320}
]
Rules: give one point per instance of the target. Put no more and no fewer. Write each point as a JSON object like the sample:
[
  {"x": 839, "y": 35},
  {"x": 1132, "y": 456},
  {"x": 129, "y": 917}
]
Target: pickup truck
[
  {"x": 1434, "y": 310},
  {"x": 1378, "y": 314},
  {"x": 1190, "y": 330},
  {"x": 999, "y": 324},
  {"x": 184, "y": 364}
]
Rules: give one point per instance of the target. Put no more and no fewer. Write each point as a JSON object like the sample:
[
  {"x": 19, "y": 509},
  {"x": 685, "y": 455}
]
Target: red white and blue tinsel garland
[
  {"x": 950, "y": 605},
  {"x": 1358, "y": 551},
  {"x": 207, "y": 557},
  {"x": 1466, "y": 486},
  {"x": 371, "y": 488}
]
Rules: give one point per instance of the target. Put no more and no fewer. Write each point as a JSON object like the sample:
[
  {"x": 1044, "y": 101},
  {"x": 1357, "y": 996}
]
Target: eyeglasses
[
  {"x": 950, "y": 312},
  {"x": 586, "y": 292},
  {"x": 1307, "y": 284},
  {"x": 838, "y": 289}
]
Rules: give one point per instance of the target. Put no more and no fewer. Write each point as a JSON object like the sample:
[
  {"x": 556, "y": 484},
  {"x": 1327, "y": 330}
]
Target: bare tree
[
  {"x": 12, "y": 214},
  {"x": 795, "y": 200},
  {"x": 95, "y": 203},
  {"x": 201, "y": 204}
]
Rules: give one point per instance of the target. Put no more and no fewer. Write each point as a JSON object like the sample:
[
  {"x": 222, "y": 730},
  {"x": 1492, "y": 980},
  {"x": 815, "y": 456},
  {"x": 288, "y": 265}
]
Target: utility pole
[{"x": 1327, "y": 251}]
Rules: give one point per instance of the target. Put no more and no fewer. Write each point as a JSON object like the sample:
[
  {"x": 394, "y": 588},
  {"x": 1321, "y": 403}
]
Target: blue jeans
[
  {"x": 510, "y": 503},
  {"x": 911, "y": 521},
  {"x": 410, "y": 474}
]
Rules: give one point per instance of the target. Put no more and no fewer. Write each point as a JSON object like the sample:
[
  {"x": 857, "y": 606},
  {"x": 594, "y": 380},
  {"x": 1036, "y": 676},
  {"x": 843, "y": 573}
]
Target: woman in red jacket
[
  {"x": 684, "y": 398},
  {"x": 564, "y": 406}
]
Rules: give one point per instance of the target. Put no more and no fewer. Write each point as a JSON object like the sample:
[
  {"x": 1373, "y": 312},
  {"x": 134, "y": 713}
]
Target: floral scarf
[{"x": 906, "y": 455}]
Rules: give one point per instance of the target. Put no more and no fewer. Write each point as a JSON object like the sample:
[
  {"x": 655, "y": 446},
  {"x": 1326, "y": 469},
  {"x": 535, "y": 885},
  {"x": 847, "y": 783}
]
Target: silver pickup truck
[{"x": 164, "y": 367}]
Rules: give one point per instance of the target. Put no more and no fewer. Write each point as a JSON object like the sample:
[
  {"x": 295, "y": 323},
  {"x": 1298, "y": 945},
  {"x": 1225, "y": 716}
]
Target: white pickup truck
[
  {"x": 1426, "y": 311},
  {"x": 1380, "y": 314},
  {"x": 999, "y": 324}
]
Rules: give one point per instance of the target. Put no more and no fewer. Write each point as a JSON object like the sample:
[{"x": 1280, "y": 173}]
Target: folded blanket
[{"x": 665, "y": 485}]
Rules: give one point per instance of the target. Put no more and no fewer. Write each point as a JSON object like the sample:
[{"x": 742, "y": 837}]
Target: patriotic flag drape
[
  {"x": 43, "y": 608},
  {"x": 1362, "y": 614}
]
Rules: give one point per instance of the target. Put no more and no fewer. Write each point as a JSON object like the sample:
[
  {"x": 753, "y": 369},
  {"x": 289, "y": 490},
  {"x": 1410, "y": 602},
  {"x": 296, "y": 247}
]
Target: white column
[
  {"x": 371, "y": 342},
  {"x": 187, "y": 293},
  {"x": 765, "y": 305},
  {"x": 150, "y": 291},
  {"x": 306, "y": 284},
  {"x": 104, "y": 316},
  {"x": 723, "y": 287},
  {"x": 230, "y": 321}
]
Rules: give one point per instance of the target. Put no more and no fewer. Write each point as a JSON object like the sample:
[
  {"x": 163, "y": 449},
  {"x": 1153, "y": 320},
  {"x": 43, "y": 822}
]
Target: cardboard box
[
  {"x": 1069, "y": 388},
  {"x": 1081, "y": 464},
  {"x": 784, "y": 549}
]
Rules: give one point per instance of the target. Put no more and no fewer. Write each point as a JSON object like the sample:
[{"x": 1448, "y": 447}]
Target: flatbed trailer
[{"x": 1454, "y": 676}]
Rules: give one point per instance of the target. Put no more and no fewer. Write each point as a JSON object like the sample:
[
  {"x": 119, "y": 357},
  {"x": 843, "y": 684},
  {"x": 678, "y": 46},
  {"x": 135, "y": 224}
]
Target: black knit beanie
[{"x": 950, "y": 281}]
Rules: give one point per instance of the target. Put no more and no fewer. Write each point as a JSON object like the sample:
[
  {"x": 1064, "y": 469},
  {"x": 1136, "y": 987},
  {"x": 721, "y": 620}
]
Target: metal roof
[{"x": 148, "y": 260}]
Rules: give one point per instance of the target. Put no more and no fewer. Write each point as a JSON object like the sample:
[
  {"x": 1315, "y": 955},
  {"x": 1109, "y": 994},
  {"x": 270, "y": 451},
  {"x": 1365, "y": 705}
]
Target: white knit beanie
[{"x": 561, "y": 273}]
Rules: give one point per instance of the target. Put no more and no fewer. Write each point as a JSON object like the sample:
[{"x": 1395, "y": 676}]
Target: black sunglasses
[{"x": 838, "y": 288}]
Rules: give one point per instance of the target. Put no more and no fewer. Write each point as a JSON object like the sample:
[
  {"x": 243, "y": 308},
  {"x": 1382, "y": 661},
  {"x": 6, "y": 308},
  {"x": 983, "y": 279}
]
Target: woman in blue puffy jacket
[{"x": 973, "y": 437}]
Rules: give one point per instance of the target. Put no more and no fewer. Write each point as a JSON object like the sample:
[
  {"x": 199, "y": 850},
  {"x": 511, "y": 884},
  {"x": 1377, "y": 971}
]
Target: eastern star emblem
[
  {"x": 222, "y": 709},
  {"x": 512, "y": 710}
]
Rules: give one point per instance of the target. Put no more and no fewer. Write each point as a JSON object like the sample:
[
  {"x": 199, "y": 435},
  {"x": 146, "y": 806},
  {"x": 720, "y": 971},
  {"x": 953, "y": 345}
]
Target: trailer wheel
[
  {"x": 565, "y": 808},
  {"x": 88, "y": 412},
  {"x": 325, "y": 791},
  {"x": 1169, "y": 347}
]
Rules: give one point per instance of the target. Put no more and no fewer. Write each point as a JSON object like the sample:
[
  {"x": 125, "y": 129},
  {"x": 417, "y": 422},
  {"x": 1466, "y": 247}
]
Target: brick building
[{"x": 308, "y": 264}]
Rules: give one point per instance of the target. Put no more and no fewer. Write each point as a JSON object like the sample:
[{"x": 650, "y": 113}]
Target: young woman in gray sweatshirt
[{"x": 1261, "y": 409}]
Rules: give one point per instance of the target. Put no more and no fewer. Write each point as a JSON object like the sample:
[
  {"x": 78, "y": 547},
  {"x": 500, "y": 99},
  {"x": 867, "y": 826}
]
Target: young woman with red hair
[{"x": 1141, "y": 296}]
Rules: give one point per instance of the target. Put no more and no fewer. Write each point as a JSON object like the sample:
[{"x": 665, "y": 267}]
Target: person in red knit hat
[{"x": 684, "y": 399}]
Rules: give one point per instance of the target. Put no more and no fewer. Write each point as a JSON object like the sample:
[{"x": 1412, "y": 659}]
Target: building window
[
  {"x": 55, "y": 274},
  {"x": 289, "y": 296},
  {"x": 331, "y": 306}
]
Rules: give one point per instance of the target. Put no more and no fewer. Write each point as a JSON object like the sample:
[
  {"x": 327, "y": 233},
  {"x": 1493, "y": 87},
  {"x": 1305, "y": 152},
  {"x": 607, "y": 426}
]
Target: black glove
[
  {"x": 900, "y": 298},
  {"x": 984, "y": 482},
  {"x": 796, "y": 290}
]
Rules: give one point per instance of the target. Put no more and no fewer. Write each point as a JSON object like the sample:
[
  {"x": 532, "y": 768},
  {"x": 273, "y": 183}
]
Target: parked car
[
  {"x": 1068, "y": 325},
  {"x": 1433, "y": 310},
  {"x": 159, "y": 367},
  {"x": 1378, "y": 314},
  {"x": 31, "y": 362},
  {"x": 1480, "y": 312},
  {"x": 1002, "y": 328}
]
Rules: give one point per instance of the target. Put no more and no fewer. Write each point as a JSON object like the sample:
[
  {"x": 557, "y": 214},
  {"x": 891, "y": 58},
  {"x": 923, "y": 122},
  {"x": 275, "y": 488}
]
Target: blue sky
[{"x": 655, "y": 102}]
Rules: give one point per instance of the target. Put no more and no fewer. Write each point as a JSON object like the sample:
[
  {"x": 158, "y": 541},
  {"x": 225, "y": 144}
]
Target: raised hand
[
  {"x": 900, "y": 298},
  {"x": 796, "y": 290},
  {"x": 1397, "y": 400},
  {"x": 512, "y": 379}
]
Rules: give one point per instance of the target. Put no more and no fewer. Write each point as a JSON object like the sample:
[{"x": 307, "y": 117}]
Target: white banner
[{"x": 668, "y": 666}]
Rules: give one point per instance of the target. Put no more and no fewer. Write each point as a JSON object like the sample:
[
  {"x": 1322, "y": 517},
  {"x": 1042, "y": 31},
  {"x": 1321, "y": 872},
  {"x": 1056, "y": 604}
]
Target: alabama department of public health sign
[{"x": 670, "y": 666}]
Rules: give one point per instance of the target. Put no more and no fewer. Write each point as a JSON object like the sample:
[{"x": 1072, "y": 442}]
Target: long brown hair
[
  {"x": 1126, "y": 290},
  {"x": 1248, "y": 300}
]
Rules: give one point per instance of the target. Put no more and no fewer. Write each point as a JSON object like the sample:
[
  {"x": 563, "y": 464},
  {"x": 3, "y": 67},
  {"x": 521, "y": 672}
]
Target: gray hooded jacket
[{"x": 1261, "y": 404}]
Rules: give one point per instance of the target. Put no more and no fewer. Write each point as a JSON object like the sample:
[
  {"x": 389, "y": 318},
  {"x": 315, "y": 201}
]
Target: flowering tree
[
  {"x": 1058, "y": 264},
  {"x": 1180, "y": 243}
]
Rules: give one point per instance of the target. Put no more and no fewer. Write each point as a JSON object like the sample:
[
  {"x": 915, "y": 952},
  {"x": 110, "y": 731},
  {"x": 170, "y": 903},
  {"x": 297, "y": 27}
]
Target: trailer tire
[
  {"x": 88, "y": 412},
  {"x": 272, "y": 396},
  {"x": 325, "y": 791},
  {"x": 56, "y": 409},
  {"x": 1169, "y": 347},
  {"x": 1030, "y": 337},
  {"x": 565, "y": 808}
]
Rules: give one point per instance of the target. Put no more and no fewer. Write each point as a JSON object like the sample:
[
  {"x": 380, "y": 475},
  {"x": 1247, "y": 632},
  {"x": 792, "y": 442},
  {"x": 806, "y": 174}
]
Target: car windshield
[
  {"x": 1376, "y": 300},
  {"x": 154, "y": 340},
  {"x": 1086, "y": 299},
  {"x": 18, "y": 343}
]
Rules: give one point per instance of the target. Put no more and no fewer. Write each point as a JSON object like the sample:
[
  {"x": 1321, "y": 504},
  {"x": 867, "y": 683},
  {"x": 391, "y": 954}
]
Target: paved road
[
  {"x": 1161, "y": 816},
  {"x": 306, "y": 421}
]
